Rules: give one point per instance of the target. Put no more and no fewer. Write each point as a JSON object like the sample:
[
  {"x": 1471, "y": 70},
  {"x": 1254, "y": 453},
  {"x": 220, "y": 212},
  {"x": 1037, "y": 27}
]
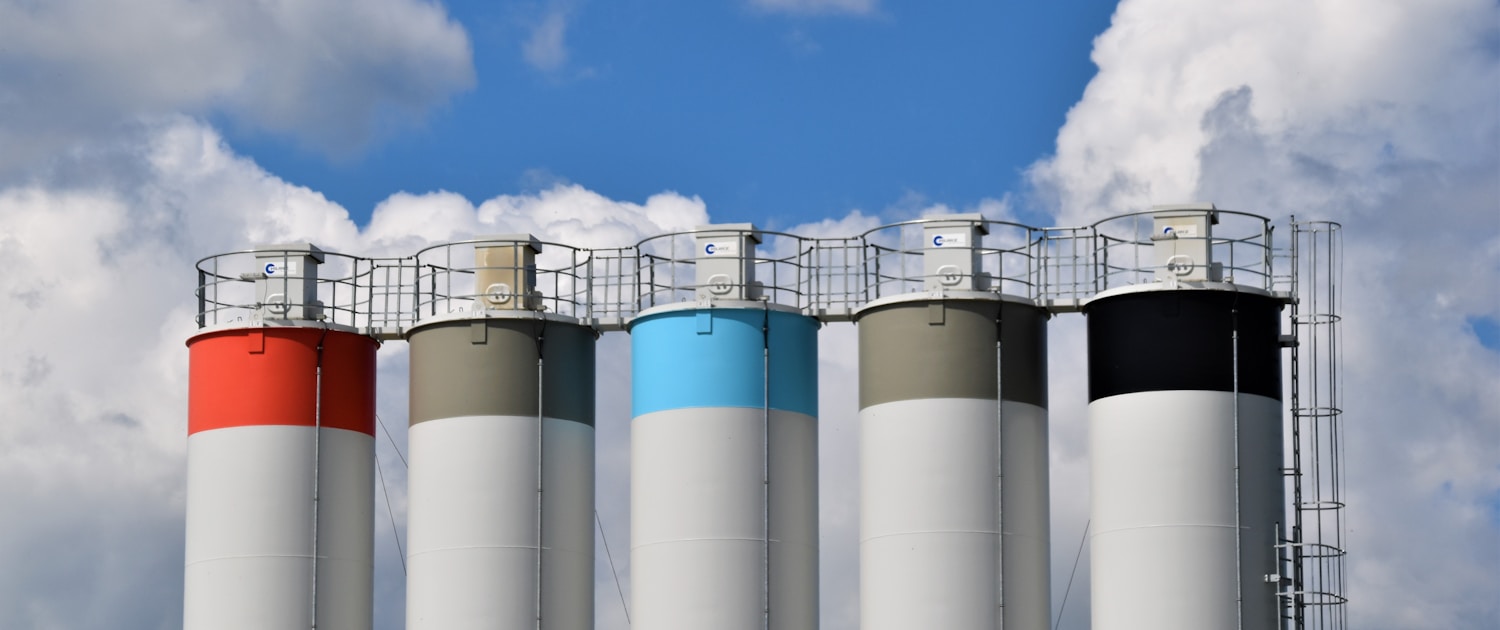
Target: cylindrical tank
[
  {"x": 482, "y": 480},
  {"x": 280, "y": 491},
  {"x": 933, "y": 446},
  {"x": 1185, "y": 439},
  {"x": 724, "y": 469}
]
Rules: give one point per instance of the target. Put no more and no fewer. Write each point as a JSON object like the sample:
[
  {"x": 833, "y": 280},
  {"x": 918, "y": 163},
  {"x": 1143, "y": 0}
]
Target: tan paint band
[
  {"x": 480, "y": 367},
  {"x": 946, "y": 349}
]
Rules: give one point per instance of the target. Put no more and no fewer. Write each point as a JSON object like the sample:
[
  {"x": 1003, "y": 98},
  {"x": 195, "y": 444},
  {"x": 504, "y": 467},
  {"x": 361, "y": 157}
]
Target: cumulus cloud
[
  {"x": 817, "y": 7},
  {"x": 1361, "y": 112},
  {"x": 332, "y": 73},
  {"x": 92, "y": 377},
  {"x": 98, "y": 300},
  {"x": 1382, "y": 116},
  {"x": 1354, "y": 71}
]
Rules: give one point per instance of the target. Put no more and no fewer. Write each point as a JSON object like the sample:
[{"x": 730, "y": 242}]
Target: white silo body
[{"x": 1025, "y": 503}]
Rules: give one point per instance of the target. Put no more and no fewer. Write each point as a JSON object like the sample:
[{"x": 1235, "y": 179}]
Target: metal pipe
[
  {"x": 316, "y": 468},
  {"x": 1239, "y": 578},
  {"x": 541, "y": 452},
  {"x": 765, "y": 471},
  {"x": 1000, "y": 467}
]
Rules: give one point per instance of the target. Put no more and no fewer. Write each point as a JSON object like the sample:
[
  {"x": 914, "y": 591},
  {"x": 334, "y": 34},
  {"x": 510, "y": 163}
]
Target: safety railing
[
  {"x": 831, "y": 278},
  {"x": 836, "y": 278},
  {"x": 1239, "y": 249},
  {"x": 1066, "y": 272},
  {"x": 297, "y": 283},
  {"x": 392, "y": 303},
  {"x": 500, "y": 274},
  {"x": 667, "y": 269},
  {"x": 895, "y": 259},
  {"x": 828, "y": 278},
  {"x": 614, "y": 287}
]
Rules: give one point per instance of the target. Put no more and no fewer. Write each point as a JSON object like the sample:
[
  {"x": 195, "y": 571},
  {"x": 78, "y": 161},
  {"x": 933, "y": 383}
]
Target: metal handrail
[
  {"x": 828, "y": 278},
  {"x": 556, "y": 283},
  {"x": 1124, "y": 259},
  {"x": 896, "y": 269},
  {"x": 667, "y": 267},
  {"x": 227, "y": 294},
  {"x": 831, "y": 278}
]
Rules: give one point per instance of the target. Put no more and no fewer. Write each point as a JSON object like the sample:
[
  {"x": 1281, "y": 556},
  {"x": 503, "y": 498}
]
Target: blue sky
[
  {"x": 769, "y": 117},
  {"x": 136, "y": 138}
]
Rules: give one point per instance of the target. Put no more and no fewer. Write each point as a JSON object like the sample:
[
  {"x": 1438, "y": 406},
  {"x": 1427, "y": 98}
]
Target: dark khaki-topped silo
[
  {"x": 953, "y": 447},
  {"x": 501, "y": 481}
]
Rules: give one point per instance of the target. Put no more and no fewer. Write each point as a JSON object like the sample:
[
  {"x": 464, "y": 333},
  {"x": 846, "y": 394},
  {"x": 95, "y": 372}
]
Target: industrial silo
[
  {"x": 281, "y": 421},
  {"x": 501, "y": 438},
  {"x": 1185, "y": 425},
  {"x": 724, "y": 468},
  {"x": 953, "y": 436}
]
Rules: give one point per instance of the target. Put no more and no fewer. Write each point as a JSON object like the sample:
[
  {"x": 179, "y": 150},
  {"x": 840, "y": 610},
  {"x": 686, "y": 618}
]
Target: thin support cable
[
  {"x": 391, "y": 512},
  {"x": 1064, "y": 606},
  {"x": 611, "y": 558},
  {"x": 392, "y": 440}
]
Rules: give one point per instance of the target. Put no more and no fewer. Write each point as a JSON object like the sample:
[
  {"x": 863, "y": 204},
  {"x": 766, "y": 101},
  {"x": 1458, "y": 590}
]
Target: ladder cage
[{"x": 1313, "y": 591}]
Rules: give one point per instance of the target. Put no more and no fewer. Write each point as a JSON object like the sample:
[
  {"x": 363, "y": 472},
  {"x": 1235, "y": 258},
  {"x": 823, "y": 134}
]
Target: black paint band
[{"x": 1184, "y": 340}]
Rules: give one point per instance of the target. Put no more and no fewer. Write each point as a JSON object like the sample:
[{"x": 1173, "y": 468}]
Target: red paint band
[{"x": 269, "y": 376}]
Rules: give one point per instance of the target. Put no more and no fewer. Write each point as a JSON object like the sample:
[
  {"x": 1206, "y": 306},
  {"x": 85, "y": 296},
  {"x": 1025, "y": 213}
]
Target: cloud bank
[
  {"x": 332, "y": 73},
  {"x": 1379, "y": 114},
  {"x": 98, "y": 302}
]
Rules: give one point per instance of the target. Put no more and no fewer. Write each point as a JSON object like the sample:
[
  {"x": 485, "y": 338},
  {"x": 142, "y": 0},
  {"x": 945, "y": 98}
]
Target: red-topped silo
[{"x": 281, "y": 422}]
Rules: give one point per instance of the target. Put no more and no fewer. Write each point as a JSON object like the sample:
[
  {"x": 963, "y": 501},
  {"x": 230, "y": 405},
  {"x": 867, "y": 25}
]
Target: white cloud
[
  {"x": 96, "y": 304},
  {"x": 575, "y": 215},
  {"x": 1357, "y": 111},
  {"x": 1382, "y": 116},
  {"x": 547, "y": 47},
  {"x": 1354, "y": 70},
  {"x": 332, "y": 73},
  {"x": 96, "y": 416},
  {"x": 817, "y": 7}
]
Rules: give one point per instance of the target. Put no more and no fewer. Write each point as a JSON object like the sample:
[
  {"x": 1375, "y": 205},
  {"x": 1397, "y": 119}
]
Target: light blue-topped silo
[{"x": 724, "y": 450}]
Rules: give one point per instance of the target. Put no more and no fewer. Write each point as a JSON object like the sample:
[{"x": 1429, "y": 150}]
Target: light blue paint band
[{"x": 714, "y": 358}]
